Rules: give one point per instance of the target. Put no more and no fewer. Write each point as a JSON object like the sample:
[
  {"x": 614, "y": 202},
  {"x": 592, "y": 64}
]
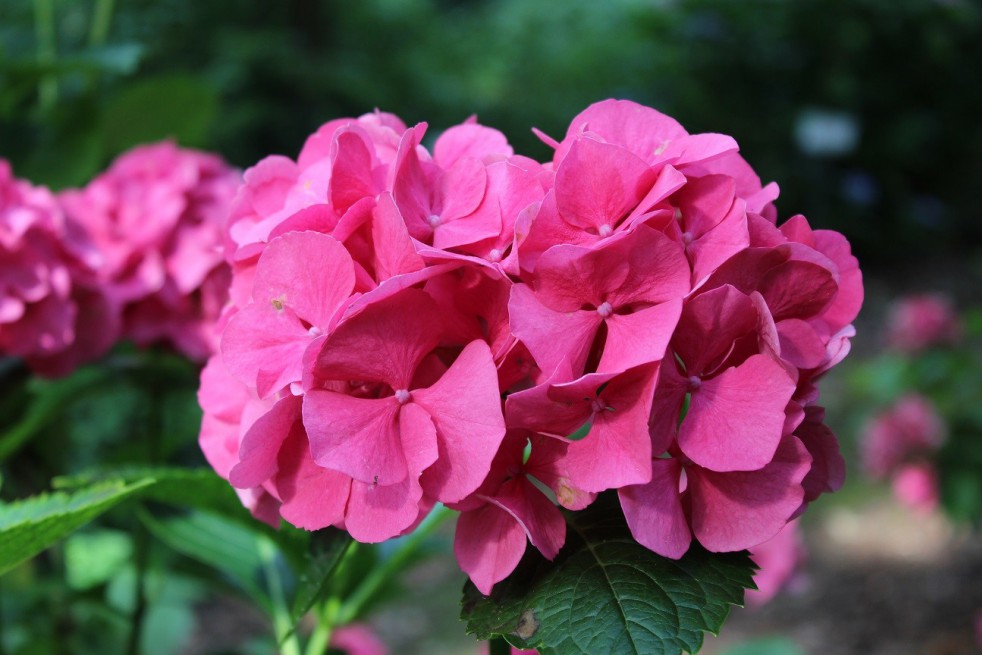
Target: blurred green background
[{"x": 865, "y": 111}]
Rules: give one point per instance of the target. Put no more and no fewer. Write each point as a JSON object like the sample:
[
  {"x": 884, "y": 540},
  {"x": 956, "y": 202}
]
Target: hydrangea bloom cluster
[
  {"x": 156, "y": 217},
  {"x": 898, "y": 444},
  {"x": 52, "y": 311},
  {"x": 918, "y": 322},
  {"x": 469, "y": 326}
]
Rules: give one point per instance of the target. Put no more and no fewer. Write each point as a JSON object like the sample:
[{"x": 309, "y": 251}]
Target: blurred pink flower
[
  {"x": 916, "y": 486},
  {"x": 357, "y": 639},
  {"x": 921, "y": 321},
  {"x": 156, "y": 216},
  {"x": 52, "y": 312},
  {"x": 910, "y": 428},
  {"x": 778, "y": 559}
]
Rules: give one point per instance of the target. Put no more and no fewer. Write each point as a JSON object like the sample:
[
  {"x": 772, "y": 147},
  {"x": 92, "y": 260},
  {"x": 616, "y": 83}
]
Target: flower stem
[
  {"x": 101, "y": 17},
  {"x": 44, "y": 29},
  {"x": 320, "y": 639},
  {"x": 364, "y": 592},
  {"x": 286, "y": 637}
]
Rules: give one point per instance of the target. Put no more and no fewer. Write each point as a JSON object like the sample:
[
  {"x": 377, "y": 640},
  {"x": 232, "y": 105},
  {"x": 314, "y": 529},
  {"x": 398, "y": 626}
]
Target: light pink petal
[
  {"x": 465, "y": 406},
  {"x": 639, "y": 338},
  {"x": 699, "y": 148},
  {"x": 643, "y": 130},
  {"x": 359, "y": 437},
  {"x": 462, "y": 188},
  {"x": 598, "y": 184},
  {"x": 737, "y": 510},
  {"x": 735, "y": 420},
  {"x": 263, "y": 347},
  {"x": 292, "y": 272},
  {"x": 488, "y": 543},
  {"x": 470, "y": 140},
  {"x": 654, "y": 511},
  {"x": 384, "y": 342},
  {"x": 356, "y": 639},
  {"x": 549, "y": 335},
  {"x": 352, "y": 173},
  {"x": 260, "y": 445}
]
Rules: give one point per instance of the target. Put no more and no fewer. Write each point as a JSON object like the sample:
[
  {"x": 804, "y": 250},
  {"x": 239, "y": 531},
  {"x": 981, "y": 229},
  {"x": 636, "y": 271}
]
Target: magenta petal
[
  {"x": 598, "y": 184},
  {"x": 384, "y": 342},
  {"x": 549, "y": 335},
  {"x": 639, "y": 338},
  {"x": 828, "y": 469},
  {"x": 462, "y": 188},
  {"x": 263, "y": 347},
  {"x": 617, "y": 450},
  {"x": 488, "y": 543},
  {"x": 376, "y": 512},
  {"x": 260, "y": 445},
  {"x": 465, "y": 406},
  {"x": 709, "y": 324},
  {"x": 642, "y": 129},
  {"x": 470, "y": 140},
  {"x": 351, "y": 174},
  {"x": 540, "y": 518},
  {"x": 312, "y": 497},
  {"x": 698, "y": 148},
  {"x": 359, "y": 437},
  {"x": 654, "y": 511},
  {"x": 737, "y": 510},
  {"x": 292, "y": 270},
  {"x": 849, "y": 299},
  {"x": 394, "y": 250},
  {"x": 801, "y": 345},
  {"x": 735, "y": 420},
  {"x": 797, "y": 289}
]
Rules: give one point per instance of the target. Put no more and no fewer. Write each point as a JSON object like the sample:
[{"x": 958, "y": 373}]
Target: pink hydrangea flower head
[
  {"x": 357, "y": 639},
  {"x": 156, "y": 217},
  {"x": 921, "y": 321},
  {"x": 52, "y": 311}
]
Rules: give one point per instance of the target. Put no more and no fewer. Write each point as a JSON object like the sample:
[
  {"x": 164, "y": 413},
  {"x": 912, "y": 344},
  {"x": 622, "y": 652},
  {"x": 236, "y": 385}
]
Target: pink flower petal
[
  {"x": 737, "y": 510},
  {"x": 639, "y": 338},
  {"x": 735, "y": 420},
  {"x": 488, "y": 543},
  {"x": 654, "y": 511}
]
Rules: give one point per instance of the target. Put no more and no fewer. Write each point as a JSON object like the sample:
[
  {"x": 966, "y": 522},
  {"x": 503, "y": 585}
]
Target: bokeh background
[{"x": 866, "y": 112}]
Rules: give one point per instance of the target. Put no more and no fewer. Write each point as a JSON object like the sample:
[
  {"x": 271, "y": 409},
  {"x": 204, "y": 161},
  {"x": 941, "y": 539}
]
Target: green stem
[
  {"x": 381, "y": 574},
  {"x": 101, "y": 17},
  {"x": 44, "y": 29},
  {"x": 142, "y": 548},
  {"x": 320, "y": 638},
  {"x": 286, "y": 637}
]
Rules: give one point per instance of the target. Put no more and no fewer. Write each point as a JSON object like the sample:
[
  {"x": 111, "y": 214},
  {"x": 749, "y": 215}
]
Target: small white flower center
[
  {"x": 678, "y": 214},
  {"x": 605, "y": 230},
  {"x": 433, "y": 220},
  {"x": 403, "y": 396},
  {"x": 315, "y": 331},
  {"x": 599, "y": 405},
  {"x": 687, "y": 238},
  {"x": 605, "y": 309},
  {"x": 495, "y": 255}
]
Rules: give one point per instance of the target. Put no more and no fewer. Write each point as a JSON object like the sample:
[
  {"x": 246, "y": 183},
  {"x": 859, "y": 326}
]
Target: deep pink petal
[
  {"x": 645, "y": 131},
  {"x": 737, "y": 510},
  {"x": 312, "y": 497},
  {"x": 488, "y": 543},
  {"x": 654, "y": 511},
  {"x": 552, "y": 336},
  {"x": 598, "y": 184},
  {"x": 828, "y": 469},
  {"x": 394, "y": 250},
  {"x": 470, "y": 140},
  {"x": 735, "y": 420},
  {"x": 709, "y": 324},
  {"x": 465, "y": 406},
  {"x": 292, "y": 272},
  {"x": 260, "y": 445},
  {"x": 538, "y": 516},
  {"x": 797, "y": 289},
  {"x": 263, "y": 347},
  {"x": 376, "y": 512},
  {"x": 384, "y": 342},
  {"x": 359, "y": 437},
  {"x": 639, "y": 338},
  {"x": 801, "y": 345}
]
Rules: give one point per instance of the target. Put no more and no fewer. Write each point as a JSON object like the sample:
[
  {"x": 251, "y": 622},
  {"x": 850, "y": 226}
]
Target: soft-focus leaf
[
  {"x": 766, "y": 646},
  {"x": 605, "y": 593},
  {"x": 93, "y": 557},
  {"x": 216, "y": 542},
  {"x": 29, "y": 526},
  {"x": 180, "y": 107},
  {"x": 327, "y": 548}
]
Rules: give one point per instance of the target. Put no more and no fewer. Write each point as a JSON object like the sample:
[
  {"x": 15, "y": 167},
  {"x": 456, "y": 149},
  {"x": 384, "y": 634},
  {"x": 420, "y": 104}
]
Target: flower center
[
  {"x": 403, "y": 396},
  {"x": 694, "y": 383},
  {"x": 495, "y": 255},
  {"x": 315, "y": 331},
  {"x": 433, "y": 220},
  {"x": 605, "y": 230},
  {"x": 687, "y": 238},
  {"x": 605, "y": 309}
]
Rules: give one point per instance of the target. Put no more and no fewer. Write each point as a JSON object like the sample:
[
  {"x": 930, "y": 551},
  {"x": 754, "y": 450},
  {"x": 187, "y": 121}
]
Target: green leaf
[
  {"x": 93, "y": 557},
  {"x": 327, "y": 548},
  {"x": 605, "y": 593},
  {"x": 766, "y": 646},
  {"x": 29, "y": 526},
  {"x": 180, "y": 107}
]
